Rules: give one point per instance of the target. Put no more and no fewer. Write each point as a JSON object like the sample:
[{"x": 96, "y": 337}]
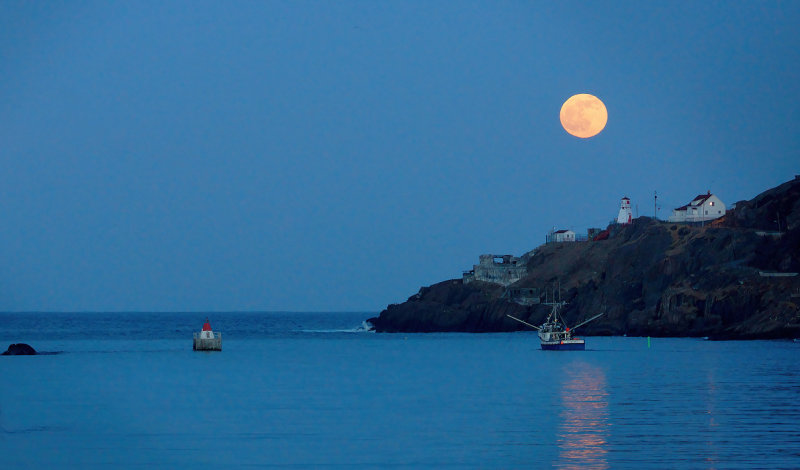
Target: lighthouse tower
[{"x": 625, "y": 216}]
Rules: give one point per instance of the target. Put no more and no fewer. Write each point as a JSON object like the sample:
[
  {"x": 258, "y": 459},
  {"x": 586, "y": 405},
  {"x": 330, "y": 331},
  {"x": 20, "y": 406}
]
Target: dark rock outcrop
[
  {"x": 451, "y": 306},
  {"x": 19, "y": 349},
  {"x": 649, "y": 278}
]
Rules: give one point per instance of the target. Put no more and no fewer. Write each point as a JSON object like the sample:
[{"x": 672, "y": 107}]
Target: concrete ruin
[{"x": 498, "y": 269}]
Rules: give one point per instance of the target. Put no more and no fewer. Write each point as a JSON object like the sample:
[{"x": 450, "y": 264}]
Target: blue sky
[{"x": 336, "y": 156}]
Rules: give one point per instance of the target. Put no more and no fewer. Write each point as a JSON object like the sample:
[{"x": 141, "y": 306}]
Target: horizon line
[{"x": 186, "y": 311}]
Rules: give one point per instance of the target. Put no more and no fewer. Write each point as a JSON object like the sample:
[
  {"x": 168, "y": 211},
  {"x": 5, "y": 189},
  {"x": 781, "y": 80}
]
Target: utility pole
[{"x": 655, "y": 205}]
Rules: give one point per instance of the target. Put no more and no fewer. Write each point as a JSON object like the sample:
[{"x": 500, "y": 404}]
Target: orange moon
[{"x": 583, "y": 115}]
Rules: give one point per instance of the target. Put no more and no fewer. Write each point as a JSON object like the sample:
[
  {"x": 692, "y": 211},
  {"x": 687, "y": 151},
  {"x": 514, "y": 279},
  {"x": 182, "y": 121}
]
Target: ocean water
[{"x": 312, "y": 390}]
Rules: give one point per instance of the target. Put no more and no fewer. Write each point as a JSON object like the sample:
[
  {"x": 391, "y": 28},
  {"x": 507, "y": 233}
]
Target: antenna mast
[{"x": 655, "y": 205}]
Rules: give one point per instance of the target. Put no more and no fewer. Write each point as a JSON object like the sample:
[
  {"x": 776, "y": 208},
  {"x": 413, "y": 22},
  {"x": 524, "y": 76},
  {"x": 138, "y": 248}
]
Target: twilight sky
[{"x": 339, "y": 155}]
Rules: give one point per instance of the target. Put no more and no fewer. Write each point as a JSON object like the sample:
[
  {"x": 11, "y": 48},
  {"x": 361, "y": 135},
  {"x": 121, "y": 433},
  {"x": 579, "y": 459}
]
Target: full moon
[{"x": 583, "y": 115}]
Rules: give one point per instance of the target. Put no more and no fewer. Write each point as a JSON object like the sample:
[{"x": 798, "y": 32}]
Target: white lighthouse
[{"x": 625, "y": 216}]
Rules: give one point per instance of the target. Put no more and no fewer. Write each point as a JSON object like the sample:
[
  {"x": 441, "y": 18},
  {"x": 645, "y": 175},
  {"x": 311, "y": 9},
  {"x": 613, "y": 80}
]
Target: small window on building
[{"x": 711, "y": 203}]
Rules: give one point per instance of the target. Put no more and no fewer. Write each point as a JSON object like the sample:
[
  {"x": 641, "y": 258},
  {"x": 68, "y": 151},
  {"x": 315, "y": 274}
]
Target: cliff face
[
  {"x": 450, "y": 306},
  {"x": 650, "y": 278}
]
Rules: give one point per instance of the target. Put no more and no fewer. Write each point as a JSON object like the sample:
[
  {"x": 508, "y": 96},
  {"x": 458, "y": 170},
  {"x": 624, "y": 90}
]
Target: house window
[
  {"x": 711, "y": 203},
  {"x": 706, "y": 212}
]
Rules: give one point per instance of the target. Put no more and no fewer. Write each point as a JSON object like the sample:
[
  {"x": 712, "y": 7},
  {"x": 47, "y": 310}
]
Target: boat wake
[{"x": 365, "y": 327}]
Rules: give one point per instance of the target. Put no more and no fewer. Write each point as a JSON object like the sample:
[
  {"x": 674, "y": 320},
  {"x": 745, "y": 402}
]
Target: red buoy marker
[{"x": 207, "y": 340}]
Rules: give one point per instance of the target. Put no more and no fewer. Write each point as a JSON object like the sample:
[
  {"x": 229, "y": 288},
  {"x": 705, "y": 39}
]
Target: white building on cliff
[
  {"x": 625, "y": 215},
  {"x": 560, "y": 236},
  {"x": 703, "y": 207}
]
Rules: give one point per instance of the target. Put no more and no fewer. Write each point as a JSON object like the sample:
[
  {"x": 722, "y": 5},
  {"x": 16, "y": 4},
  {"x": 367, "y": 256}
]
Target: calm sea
[{"x": 312, "y": 390}]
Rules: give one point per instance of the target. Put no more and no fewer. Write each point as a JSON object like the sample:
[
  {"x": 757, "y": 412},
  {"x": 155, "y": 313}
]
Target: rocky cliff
[{"x": 649, "y": 278}]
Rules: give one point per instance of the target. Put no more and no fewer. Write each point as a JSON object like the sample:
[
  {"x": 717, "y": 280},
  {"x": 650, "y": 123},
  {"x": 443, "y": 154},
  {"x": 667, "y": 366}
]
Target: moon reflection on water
[{"x": 582, "y": 435}]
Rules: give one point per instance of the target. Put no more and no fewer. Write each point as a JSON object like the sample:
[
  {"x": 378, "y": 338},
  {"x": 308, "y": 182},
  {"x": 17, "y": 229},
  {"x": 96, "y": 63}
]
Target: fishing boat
[{"x": 554, "y": 334}]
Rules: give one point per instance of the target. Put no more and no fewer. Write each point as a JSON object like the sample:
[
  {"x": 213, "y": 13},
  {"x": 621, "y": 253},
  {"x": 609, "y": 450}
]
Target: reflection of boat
[{"x": 554, "y": 334}]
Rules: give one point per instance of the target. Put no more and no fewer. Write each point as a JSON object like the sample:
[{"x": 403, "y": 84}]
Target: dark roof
[
  {"x": 701, "y": 197},
  {"x": 561, "y": 231}
]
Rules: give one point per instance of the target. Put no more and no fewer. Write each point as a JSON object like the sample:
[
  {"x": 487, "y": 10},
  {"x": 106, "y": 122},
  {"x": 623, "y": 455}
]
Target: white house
[
  {"x": 702, "y": 208},
  {"x": 563, "y": 236}
]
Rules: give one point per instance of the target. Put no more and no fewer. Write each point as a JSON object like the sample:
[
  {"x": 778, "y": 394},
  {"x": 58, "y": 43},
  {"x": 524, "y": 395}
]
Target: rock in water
[{"x": 20, "y": 349}]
